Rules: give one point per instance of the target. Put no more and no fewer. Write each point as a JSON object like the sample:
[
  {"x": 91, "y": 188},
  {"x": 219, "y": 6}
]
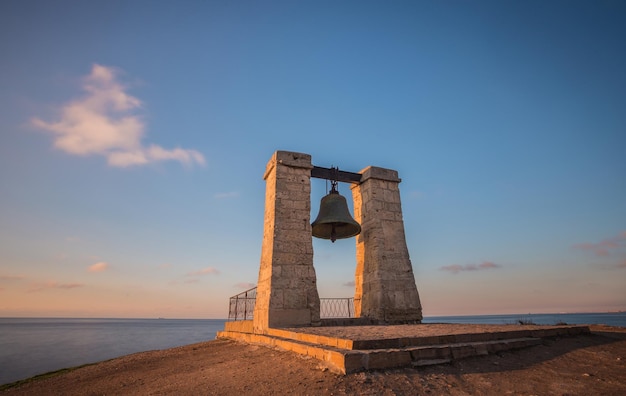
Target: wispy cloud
[
  {"x": 605, "y": 247},
  {"x": 245, "y": 285},
  {"x": 348, "y": 284},
  {"x": 226, "y": 195},
  {"x": 53, "y": 285},
  {"x": 104, "y": 122},
  {"x": 98, "y": 267},
  {"x": 487, "y": 265},
  {"x": 68, "y": 285},
  {"x": 10, "y": 277},
  {"x": 456, "y": 268},
  {"x": 205, "y": 271}
]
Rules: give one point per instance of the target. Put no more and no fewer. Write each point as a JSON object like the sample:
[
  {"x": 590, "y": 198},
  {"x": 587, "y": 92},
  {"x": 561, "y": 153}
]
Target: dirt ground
[{"x": 585, "y": 365}]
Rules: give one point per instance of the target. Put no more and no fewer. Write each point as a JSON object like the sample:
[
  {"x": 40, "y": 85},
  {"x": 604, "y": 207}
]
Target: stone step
[
  {"x": 439, "y": 354},
  {"x": 403, "y": 342},
  {"x": 345, "y": 361},
  {"x": 331, "y": 357}
]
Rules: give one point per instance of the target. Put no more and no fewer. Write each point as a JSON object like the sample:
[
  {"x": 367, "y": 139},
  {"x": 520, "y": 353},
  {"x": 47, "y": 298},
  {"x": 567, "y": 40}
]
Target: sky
[{"x": 134, "y": 137}]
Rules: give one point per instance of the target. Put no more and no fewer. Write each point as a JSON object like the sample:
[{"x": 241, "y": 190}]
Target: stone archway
[{"x": 287, "y": 285}]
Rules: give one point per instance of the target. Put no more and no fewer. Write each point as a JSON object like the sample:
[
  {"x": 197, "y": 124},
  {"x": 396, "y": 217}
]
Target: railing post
[{"x": 245, "y": 306}]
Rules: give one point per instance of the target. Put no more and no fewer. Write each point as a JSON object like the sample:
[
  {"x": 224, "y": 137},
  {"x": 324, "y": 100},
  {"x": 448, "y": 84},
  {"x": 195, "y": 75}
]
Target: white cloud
[
  {"x": 456, "y": 268},
  {"x": 104, "y": 122},
  {"x": 605, "y": 247},
  {"x": 53, "y": 285},
  {"x": 98, "y": 267}
]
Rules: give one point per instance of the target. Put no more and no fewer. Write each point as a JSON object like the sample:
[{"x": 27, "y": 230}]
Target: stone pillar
[
  {"x": 385, "y": 287},
  {"x": 287, "y": 289}
]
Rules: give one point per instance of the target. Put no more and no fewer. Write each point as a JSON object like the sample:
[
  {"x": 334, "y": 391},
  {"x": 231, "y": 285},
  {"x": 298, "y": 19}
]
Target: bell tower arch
[{"x": 287, "y": 293}]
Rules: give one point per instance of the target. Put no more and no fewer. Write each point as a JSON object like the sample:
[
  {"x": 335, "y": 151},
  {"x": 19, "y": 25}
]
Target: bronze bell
[{"x": 334, "y": 220}]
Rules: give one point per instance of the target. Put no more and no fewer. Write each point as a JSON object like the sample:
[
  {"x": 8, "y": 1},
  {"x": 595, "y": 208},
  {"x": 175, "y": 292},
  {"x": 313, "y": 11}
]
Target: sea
[{"x": 33, "y": 346}]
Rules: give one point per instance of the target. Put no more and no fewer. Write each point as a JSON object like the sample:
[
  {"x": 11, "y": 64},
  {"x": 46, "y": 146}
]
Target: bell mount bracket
[{"x": 335, "y": 174}]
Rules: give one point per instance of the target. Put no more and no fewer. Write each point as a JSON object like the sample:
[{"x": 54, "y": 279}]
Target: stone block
[
  {"x": 465, "y": 337},
  {"x": 373, "y": 172},
  {"x": 335, "y": 359},
  {"x": 240, "y": 326},
  {"x": 296, "y": 347},
  {"x": 289, "y": 317},
  {"x": 387, "y": 359},
  {"x": 494, "y": 347},
  {"x": 290, "y": 159},
  {"x": 481, "y": 349},
  {"x": 352, "y": 362},
  {"x": 276, "y": 298},
  {"x": 294, "y": 299},
  {"x": 463, "y": 351},
  {"x": 310, "y": 338},
  {"x": 430, "y": 352},
  {"x": 318, "y": 353},
  {"x": 344, "y": 343},
  {"x": 327, "y": 340}
]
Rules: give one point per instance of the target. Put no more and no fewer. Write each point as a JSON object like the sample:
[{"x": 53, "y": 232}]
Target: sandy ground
[{"x": 585, "y": 365}]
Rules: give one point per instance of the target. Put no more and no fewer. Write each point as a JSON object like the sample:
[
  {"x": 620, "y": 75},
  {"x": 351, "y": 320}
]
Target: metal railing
[
  {"x": 241, "y": 306},
  {"x": 331, "y": 308}
]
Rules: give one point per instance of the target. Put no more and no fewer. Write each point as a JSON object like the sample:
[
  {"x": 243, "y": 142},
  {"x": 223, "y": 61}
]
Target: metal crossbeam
[{"x": 335, "y": 174}]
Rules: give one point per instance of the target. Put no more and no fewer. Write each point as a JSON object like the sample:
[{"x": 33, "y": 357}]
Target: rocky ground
[{"x": 585, "y": 365}]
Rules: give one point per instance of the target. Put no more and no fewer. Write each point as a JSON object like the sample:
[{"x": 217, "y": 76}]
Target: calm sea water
[
  {"x": 31, "y": 346},
  {"x": 610, "y": 319}
]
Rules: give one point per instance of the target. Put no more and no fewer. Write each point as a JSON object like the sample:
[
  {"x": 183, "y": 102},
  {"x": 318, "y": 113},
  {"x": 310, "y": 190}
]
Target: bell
[{"x": 334, "y": 220}]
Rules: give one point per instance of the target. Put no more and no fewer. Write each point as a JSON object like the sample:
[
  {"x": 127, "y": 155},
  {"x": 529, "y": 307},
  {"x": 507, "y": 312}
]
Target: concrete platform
[{"x": 347, "y": 349}]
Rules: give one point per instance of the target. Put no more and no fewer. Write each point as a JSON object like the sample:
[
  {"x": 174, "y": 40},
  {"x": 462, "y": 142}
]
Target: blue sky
[{"x": 134, "y": 136}]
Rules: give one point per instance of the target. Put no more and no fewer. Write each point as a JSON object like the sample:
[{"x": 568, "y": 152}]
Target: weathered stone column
[
  {"x": 287, "y": 289},
  {"x": 385, "y": 287}
]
